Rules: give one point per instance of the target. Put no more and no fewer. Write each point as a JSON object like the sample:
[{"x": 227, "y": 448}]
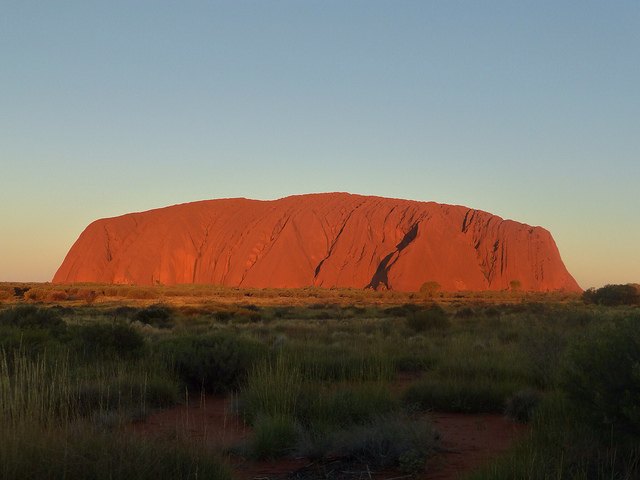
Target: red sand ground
[{"x": 468, "y": 440}]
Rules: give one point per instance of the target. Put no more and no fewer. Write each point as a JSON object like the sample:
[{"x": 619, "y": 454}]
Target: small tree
[{"x": 515, "y": 285}]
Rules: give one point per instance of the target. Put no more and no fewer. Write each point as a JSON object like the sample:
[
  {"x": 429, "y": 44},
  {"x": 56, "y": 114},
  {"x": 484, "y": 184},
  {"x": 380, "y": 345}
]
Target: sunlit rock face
[{"x": 327, "y": 240}]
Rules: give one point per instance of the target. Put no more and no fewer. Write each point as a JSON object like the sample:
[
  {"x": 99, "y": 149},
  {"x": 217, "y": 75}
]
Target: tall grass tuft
[
  {"x": 273, "y": 389},
  {"x": 34, "y": 390},
  {"x": 47, "y": 433}
]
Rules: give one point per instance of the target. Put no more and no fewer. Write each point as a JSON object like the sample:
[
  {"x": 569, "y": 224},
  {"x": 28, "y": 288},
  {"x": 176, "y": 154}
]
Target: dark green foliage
[
  {"x": 434, "y": 318},
  {"x": 561, "y": 445},
  {"x": 520, "y": 407},
  {"x": 124, "y": 312},
  {"x": 107, "y": 340},
  {"x": 214, "y": 363},
  {"x": 602, "y": 376},
  {"x": 125, "y": 393},
  {"x": 344, "y": 406},
  {"x": 465, "y": 312},
  {"x": 458, "y": 396},
  {"x": 275, "y": 436},
  {"x": 30, "y": 329},
  {"x": 403, "y": 310},
  {"x": 492, "y": 312},
  {"x": 157, "y": 316},
  {"x": 388, "y": 440},
  {"x": 86, "y": 453},
  {"x": 613, "y": 295},
  {"x": 544, "y": 350},
  {"x": 34, "y": 318}
]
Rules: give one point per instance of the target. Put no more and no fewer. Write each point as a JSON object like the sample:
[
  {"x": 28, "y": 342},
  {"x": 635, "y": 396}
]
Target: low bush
[
  {"x": 130, "y": 394},
  {"x": 560, "y": 444},
  {"x": 388, "y": 440},
  {"x": 465, "y": 313},
  {"x": 34, "y": 318},
  {"x": 275, "y": 436},
  {"x": 82, "y": 451},
  {"x": 273, "y": 388},
  {"x": 116, "y": 339},
  {"x": 330, "y": 407},
  {"x": 459, "y": 395},
  {"x": 602, "y": 376},
  {"x": 402, "y": 310},
  {"x": 434, "y": 318},
  {"x": 158, "y": 316},
  {"x": 544, "y": 351},
  {"x": 216, "y": 363},
  {"x": 520, "y": 406}
]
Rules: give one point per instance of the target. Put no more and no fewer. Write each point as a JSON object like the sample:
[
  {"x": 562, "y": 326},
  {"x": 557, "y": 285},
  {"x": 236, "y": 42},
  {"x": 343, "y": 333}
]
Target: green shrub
[
  {"x": 465, "y": 313},
  {"x": 108, "y": 339},
  {"x": 275, "y": 436},
  {"x": 602, "y": 376},
  {"x": 31, "y": 330},
  {"x": 459, "y": 395},
  {"x": 521, "y": 405},
  {"x": 127, "y": 393},
  {"x": 34, "y": 318},
  {"x": 329, "y": 407},
  {"x": 561, "y": 445},
  {"x": 388, "y": 440},
  {"x": 273, "y": 388},
  {"x": 403, "y": 310},
  {"x": 544, "y": 350},
  {"x": 124, "y": 312},
  {"x": 157, "y": 316},
  {"x": 434, "y": 318},
  {"x": 215, "y": 363},
  {"x": 84, "y": 452}
]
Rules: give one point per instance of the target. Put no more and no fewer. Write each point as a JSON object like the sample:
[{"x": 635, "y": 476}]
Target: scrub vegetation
[{"x": 316, "y": 373}]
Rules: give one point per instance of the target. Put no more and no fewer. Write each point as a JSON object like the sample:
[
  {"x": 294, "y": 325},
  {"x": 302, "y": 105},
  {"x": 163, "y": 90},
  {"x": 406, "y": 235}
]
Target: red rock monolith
[{"x": 327, "y": 240}]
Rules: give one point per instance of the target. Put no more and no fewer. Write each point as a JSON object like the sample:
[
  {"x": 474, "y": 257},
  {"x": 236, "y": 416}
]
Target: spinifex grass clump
[
  {"x": 275, "y": 436},
  {"x": 132, "y": 389},
  {"x": 561, "y": 445},
  {"x": 53, "y": 425},
  {"x": 459, "y": 395},
  {"x": 292, "y": 412},
  {"x": 273, "y": 389},
  {"x": 34, "y": 391},
  {"x": 388, "y": 440},
  {"x": 80, "y": 451},
  {"x": 340, "y": 363}
]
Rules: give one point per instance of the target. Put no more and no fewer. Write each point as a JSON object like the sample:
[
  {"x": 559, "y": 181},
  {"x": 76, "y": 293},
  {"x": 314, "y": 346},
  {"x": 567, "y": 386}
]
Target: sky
[{"x": 529, "y": 110}]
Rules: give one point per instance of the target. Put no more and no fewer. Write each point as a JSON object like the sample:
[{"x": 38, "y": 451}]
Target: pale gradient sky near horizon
[{"x": 527, "y": 109}]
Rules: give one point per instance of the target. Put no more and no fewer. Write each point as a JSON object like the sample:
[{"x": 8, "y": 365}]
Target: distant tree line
[{"x": 614, "y": 295}]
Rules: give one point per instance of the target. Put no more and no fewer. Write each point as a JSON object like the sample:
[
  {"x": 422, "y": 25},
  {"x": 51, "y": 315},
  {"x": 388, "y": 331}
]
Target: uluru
[{"x": 326, "y": 240}]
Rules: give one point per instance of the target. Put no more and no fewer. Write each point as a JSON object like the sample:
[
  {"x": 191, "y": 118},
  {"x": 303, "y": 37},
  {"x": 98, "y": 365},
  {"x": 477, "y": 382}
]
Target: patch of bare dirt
[{"x": 468, "y": 441}]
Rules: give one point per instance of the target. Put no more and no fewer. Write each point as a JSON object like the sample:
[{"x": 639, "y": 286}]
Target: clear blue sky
[{"x": 528, "y": 110}]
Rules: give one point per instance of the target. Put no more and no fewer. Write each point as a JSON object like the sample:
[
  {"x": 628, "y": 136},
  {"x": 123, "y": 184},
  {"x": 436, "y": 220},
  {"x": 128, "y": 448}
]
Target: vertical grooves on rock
[
  {"x": 335, "y": 240},
  {"x": 381, "y": 276},
  {"x": 109, "y": 255}
]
